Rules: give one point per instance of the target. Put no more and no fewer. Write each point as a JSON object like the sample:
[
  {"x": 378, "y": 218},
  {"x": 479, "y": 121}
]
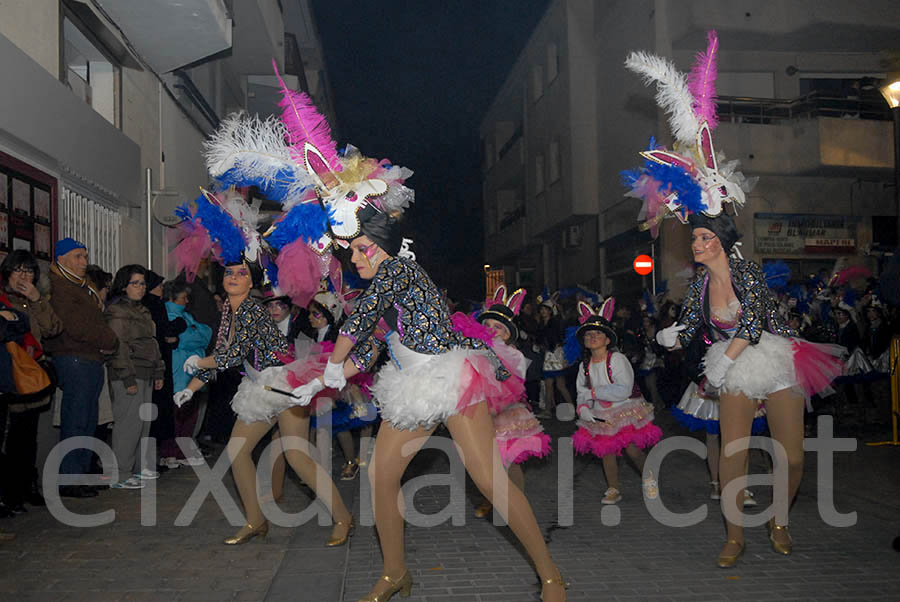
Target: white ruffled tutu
[
  {"x": 777, "y": 363},
  {"x": 419, "y": 390},
  {"x": 253, "y": 403}
]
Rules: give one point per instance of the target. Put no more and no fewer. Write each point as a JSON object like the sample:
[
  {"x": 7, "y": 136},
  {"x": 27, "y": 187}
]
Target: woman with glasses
[
  {"x": 248, "y": 335},
  {"x": 20, "y": 273},
  {"x": 135, "y": 371}
]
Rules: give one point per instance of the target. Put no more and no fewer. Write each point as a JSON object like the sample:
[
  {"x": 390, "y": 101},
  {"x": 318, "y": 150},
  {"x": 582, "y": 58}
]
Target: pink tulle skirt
[
  {"x": 617, "y": 427},
  {"x": 816, "y": 365},
  {"x": 520, "y": 436},
  {"x": 310, "y": 363}
]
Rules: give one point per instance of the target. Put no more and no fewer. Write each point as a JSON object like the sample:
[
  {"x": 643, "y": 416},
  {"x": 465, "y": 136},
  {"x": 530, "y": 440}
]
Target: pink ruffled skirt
[
  {"x": 616, "y": 427},
  {"x": 520, "y": 436}
]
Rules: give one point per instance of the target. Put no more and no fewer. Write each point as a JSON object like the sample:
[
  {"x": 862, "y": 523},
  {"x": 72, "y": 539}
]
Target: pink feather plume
[
  {"x": 702, "y": 82},
  {"x": 304, "y": 123},
  {"x": 854, "y": 272},
  {"x": 192, "y": 244},
  {"x": 298, "y": 272}
]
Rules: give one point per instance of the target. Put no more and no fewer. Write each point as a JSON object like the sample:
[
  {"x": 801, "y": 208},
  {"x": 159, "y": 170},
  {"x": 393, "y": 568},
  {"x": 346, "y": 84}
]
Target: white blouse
[{"x": 617, "y": 391}]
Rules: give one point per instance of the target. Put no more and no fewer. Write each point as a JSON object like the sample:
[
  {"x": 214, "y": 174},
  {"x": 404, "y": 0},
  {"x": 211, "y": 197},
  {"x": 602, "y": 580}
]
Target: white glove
[
  {"x": 715, "y": 374},
  {"x": 668, "y": 337},
  {"x": 584, "y": 412},
  {"x": 305, "y": 393},
  {"x": 190, "y": 364},
  {"x": 334, "y": 376},
  {"x": 183, "y": 396}
]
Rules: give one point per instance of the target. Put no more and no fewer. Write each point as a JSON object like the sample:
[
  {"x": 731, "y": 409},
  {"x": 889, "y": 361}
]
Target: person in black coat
[{"x": 167, "y": 331}]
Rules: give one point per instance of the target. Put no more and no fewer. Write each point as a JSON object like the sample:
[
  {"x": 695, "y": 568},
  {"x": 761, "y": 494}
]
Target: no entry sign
[{"x": 643, "y": 264}]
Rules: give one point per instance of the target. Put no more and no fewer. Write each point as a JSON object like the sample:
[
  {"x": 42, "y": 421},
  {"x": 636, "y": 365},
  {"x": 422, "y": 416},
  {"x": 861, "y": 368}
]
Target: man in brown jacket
[{"x": 77, "y": 354}]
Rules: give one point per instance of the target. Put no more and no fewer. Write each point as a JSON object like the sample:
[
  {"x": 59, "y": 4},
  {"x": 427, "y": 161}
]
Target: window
[
  {"x": 27, "y": 209},
  {"x": 552, "y": 62},
  {"x": 553, "y": 157},
  {"x": 537, "y": 82},
  {"x": 538, "y": 174},
  {"x": 93, "y": 224},
  {"x": 89, "y": 72},
  {"x": 488, "y": 155}
]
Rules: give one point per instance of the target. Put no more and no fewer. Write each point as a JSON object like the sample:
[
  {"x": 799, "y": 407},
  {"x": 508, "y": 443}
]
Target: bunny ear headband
[
  {"x": 691, "y": 178},
  {"x": 504, "y": 309},
  {"x": 590, "y": 320}
]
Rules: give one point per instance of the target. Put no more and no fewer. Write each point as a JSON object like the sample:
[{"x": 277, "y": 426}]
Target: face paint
[{"x": 371, "y": 252}]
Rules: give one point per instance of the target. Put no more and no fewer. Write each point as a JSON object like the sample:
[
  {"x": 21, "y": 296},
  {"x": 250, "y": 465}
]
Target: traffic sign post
[{"x": 643, "y": 264}]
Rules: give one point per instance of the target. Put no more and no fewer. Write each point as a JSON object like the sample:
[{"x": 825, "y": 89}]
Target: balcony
[
  {"x": 508, "y": 242},
  {"x": 508, "y": 168},
  {"x": 169, "y": 34},
  {"x": 811, "y": 135}
]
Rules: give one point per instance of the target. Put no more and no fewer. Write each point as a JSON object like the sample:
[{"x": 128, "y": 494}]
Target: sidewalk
[{"x": 636, "y": 559}]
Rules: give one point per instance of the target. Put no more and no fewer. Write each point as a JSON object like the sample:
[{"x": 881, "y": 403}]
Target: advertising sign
[{"x": 781, "y": 234}]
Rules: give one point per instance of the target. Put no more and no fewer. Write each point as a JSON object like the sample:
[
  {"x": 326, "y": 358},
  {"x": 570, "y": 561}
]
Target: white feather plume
[
  {"x": 257, "y": 150},
  {"x": 672, "y": 93}
]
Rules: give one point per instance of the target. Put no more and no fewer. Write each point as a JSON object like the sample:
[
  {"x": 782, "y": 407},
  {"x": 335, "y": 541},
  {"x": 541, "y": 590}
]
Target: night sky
[{"x": 412, "y": 81}]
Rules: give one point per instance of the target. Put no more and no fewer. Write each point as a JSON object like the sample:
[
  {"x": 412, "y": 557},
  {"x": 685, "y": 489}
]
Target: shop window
[{"x": 89, "y": 71}]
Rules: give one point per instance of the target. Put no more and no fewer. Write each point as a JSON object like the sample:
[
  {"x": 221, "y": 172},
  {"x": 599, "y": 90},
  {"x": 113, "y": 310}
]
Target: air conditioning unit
[{"x": 572, "y": 237}]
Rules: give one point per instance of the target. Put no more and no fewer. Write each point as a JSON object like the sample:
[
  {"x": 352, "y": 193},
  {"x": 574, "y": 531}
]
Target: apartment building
[
  {"x": 108, "y": 102},
  {"x": 799, "y": 107}
]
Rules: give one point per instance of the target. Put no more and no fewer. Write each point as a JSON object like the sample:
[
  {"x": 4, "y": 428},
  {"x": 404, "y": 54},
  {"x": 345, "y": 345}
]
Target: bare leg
[
  {"x": 474, "y": 433},
  {"x": 278, "y": 465},
  {"x": 517, "y": 476},
  {"x": 637, "y": 456},
  {"x": 712, "y": 456},
  {"x": 364, "y": 439},
  {"x": 549, "y": 397},
  {"x": 784, "y": 411},
  {"x": 563, "y": 389},
  {"x": 388, "y": 464},
  {"x": 244, "y": 437},
  {"x": 345, "y": 440},
  {"x": 294, "y": 422},
  {"x": 735, "y": 420},
  {"x": 611, "y": 470}
]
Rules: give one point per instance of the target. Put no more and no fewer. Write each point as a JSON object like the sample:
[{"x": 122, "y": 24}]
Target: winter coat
[
  {"x": 85, "y": 333},
  {"x": 138, "y": 354},
  {"x": 193, "y": 341}
]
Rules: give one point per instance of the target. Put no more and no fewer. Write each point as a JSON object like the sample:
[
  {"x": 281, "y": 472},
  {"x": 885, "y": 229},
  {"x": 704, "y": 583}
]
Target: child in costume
[
  {"x": 520, "y": 436},
  {"x": 754, "y": 353},
  {"x": 612, "y": 414}
]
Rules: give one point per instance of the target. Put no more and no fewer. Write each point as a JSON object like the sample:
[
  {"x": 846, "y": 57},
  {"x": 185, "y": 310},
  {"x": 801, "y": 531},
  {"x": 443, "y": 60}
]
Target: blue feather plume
[
  {"x": 571, "y": 345},
  {"x": 648, "y": 300},
  {"x": 681, "y": 182},
  {"x": 306, "y": 220},
  {"x": 777, "y": 274},
  {"x": 222, "y": 230}
]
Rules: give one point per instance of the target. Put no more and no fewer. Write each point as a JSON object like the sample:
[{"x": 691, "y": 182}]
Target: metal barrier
[{"x": 895, "y": 393}]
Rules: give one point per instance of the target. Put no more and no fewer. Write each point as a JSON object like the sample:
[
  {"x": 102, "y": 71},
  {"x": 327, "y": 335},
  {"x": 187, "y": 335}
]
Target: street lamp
[{"x": 891, "y": 92}]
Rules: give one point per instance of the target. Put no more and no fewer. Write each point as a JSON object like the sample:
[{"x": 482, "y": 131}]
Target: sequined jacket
[
  {"x": 404, "y": 295},
  {"x": 759, "y": 309},
  {"x": 247, "y": 334}
]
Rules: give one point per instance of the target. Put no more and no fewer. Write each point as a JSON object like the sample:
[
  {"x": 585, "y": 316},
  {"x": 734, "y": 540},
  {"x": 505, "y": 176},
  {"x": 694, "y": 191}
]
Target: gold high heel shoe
[
  {"x": 483, "y": 510},
  {"x": 558, "y": 580},
  {"x": 728, "y": 561},
  {"x": 334, "y": 542},
  {"x": 780, "y": 547},
  {"x": 403, "y": 585},
  {"x": 253, "y": 532}
]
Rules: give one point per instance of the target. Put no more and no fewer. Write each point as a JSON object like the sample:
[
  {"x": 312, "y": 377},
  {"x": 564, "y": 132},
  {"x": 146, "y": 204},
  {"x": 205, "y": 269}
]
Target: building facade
[
  {"x": 110, "y": 101},
  {"x": 799, "y": 107}
]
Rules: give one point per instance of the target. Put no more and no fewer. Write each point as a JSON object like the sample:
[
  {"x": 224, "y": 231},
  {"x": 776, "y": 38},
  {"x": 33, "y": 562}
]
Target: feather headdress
[{"x": 694, "y": 178}]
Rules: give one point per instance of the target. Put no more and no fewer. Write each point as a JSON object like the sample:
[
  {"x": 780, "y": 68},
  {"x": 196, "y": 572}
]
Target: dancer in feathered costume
[
  {"x": 755, "y": 355},
  {"x": 520, "y": 436},
  {"x": 612, "y": 414},
  {"x": 431, "y": 365},
  {"x": 249, "y": 152}
]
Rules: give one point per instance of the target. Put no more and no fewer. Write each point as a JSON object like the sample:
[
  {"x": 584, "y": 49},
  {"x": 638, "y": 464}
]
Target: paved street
[{"x": 636, "y": 559}]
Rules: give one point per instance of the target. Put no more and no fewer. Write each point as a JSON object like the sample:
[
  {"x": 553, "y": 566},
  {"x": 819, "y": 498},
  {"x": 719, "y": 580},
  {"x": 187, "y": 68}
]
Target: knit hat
[{"x": 68, "y": 244}]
